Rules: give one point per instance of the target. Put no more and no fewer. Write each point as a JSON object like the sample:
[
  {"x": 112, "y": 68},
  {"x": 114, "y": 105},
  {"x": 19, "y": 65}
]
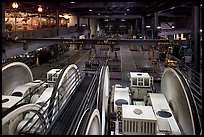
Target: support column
[
  {"x": 131, "y": 29},
  {"x": 93, "y": 24},
  {"x": 155, "y": 36},
  {"x": 196, "y": 35},
  {"x": 89, "y": 35},
  {"x": 143, "y": 27},
  {"x": 136, "y": 27},
  {"x": 57, "y": 22},
  {"x": 3, "y": 18},
  {"x": 78, "y": 21}
]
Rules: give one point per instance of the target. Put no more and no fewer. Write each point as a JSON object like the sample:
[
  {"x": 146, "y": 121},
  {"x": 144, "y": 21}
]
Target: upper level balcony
[{"x": 45, "y": 33}]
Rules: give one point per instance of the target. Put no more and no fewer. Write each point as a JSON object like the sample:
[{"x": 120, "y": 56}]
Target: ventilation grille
[{"x": 138, "y": 127}]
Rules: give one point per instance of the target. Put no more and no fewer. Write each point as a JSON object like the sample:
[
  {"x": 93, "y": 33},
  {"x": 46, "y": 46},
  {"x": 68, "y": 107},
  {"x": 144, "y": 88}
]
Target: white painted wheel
[
  {"x": 11, "y": 120},
  {"x": 94, "y": 125},
  {"x": 69, "y": 77},
  {"x": 105, "y": 81},
  {"x": 13, "y": 75},
  {"x": 176, "y": 90}
]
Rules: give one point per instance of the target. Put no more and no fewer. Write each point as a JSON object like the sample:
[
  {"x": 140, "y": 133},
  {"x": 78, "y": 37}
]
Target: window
[
  {"x": 146, "y": 82},
  {"x": 140, "y": 81},
  {"x": 134, "y": 81}
]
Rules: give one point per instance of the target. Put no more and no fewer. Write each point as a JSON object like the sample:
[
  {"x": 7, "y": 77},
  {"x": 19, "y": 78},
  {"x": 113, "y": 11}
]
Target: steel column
[
  {"x": 78, "y": 21},
  {"x": 3, "y": 17},
  {"x": 142, "y": 27},
  {"x": 196, "y": 35},
  {"x": 155, "y": 35},
  {"x": 136, "y": 27},
  {"x": 57, "y": 21}
]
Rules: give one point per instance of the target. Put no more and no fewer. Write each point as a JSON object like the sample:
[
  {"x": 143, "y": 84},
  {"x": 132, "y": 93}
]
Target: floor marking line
[
  {"x": 121, "y": 63},
  {"x": 132, "y": 59},
  {"x": 81, "y": 57}
]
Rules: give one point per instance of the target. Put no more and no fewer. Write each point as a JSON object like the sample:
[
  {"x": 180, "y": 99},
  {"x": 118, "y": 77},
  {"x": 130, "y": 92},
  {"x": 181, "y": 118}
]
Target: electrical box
[
  {"x": 138, "y": 120},
  {"x": 53, "y": 74}
]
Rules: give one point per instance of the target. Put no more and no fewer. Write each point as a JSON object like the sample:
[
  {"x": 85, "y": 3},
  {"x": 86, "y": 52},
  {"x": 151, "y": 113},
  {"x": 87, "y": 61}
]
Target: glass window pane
[
  {"x": 146, "y": 82},
  {"x": 134, "y": 81}
]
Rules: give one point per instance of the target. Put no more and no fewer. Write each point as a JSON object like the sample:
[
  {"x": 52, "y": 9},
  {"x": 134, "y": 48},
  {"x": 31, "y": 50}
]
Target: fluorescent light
[
  {"x": 148, "y": 26},
  {"x": 90, "y": 10},
  {"x": 172, "y": 8},
  {"x": 72, "y": 2},
  {"x": 158, "y": 27},
  {"x": 140, "y": 37},
  {"x": 122, "y": 20}
]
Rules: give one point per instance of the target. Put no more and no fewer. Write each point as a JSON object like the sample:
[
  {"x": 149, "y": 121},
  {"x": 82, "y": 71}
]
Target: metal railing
[
  {"x": 195, "y": 108},
  {"x": 194, "y": 80}
]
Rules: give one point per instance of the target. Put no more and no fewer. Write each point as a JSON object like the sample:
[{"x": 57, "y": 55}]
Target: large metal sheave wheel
[
  {"x": 13, "y": 75},
  {"x": 177, "y": 91}
]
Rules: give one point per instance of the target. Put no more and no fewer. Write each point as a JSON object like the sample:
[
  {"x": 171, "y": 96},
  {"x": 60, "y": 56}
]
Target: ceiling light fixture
[
  {"x": 172, "y": 27},
  {"x": 99, "y": 14},
  {"x": 125, "y": 14},
  {"x": 40, "y": 9},
  {"x": 72, "y": 2},
  {"x": 158, "y": 27},
  {"x": 128, "y": 9},
  {"x": 90, "y": 10},
  {"x": 15, "y": 5},
  {"x": 148, "y": 26}
]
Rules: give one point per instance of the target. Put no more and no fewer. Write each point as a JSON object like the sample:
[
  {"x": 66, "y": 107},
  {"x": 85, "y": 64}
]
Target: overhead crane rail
[{"x": 106, "y": 41}]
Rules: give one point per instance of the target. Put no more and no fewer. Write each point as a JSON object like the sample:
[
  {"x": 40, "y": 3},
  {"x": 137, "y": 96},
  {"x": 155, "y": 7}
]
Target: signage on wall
[
  {"x": 169, "y": 43},
  {"x": 105, "y": 43},
  {"x": 73, "y": 42}
]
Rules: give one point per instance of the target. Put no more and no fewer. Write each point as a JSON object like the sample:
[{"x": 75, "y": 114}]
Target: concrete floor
[{"x": 125, "y": 62}]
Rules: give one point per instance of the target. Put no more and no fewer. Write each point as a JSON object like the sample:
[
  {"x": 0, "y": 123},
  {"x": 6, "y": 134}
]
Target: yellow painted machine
[
  {"x": 170, "y": 50},
  {"x": 170, "y": 63}
]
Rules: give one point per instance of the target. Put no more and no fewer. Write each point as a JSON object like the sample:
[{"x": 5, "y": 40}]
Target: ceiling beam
[
  {"x": 171, "y": 15},
  {"x": 112, "y": 16}
]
